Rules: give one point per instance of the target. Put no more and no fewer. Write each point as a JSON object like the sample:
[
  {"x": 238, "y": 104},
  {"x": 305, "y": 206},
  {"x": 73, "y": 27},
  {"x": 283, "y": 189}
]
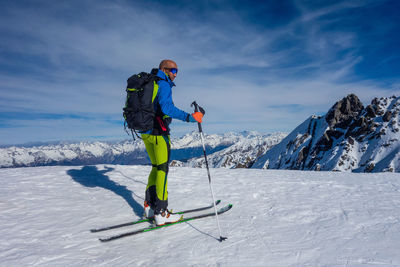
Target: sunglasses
[{"x": 173, "y": 70}]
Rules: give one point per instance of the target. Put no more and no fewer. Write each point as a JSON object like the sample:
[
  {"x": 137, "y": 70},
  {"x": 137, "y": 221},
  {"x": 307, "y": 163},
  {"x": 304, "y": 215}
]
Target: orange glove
[{"x": 198, "y": 116}]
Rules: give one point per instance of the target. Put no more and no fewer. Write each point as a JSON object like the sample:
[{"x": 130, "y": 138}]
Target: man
[{"x": 158, "y": 145}]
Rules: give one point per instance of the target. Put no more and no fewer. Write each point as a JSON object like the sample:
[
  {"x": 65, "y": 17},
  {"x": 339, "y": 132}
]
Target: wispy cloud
[{"x": 253, "y": 66}]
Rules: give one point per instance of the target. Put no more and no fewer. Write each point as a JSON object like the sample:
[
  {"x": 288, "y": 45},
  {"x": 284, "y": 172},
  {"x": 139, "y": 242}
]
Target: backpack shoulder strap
[{"x": 155, "y": 72}]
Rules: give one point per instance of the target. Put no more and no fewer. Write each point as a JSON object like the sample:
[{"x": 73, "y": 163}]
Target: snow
[{"x": 279, "y": 218}]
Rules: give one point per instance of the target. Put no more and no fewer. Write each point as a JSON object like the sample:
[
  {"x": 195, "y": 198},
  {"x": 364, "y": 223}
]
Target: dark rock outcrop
[{"x": 344, "y": 111}]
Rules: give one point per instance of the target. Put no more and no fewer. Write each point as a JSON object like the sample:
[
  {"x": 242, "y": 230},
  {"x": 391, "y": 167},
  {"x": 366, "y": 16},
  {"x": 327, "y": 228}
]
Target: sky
[{"x": 253, "y": 65}]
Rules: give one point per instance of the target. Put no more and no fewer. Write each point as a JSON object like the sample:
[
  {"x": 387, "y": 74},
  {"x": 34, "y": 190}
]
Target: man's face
[{"x": 168, "y": 69}]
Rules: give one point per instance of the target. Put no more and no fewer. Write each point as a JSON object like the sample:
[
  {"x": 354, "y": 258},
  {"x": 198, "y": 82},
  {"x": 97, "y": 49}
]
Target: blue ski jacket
[{"x": 164, "y": 98}]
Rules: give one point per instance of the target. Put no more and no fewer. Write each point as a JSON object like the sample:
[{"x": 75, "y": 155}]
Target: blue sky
[{"x": 253, "y": 65}]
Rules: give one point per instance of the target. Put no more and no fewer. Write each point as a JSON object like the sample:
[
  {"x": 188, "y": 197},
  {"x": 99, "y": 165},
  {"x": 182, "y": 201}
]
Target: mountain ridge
[
  {"x": 124, "y": 152},
  {"x": 349, "y": 137}
]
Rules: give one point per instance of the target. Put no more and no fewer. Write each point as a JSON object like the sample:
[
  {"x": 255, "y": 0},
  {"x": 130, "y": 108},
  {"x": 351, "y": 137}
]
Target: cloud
[{"x": 261, "y": 67}]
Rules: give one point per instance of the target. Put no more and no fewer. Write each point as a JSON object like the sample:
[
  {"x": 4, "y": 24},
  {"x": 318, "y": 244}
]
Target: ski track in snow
[{"x": 279, "y": 218}]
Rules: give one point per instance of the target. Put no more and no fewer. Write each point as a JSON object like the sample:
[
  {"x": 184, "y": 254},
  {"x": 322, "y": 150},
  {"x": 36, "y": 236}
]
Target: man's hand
[{"x": 196, "y": 117}]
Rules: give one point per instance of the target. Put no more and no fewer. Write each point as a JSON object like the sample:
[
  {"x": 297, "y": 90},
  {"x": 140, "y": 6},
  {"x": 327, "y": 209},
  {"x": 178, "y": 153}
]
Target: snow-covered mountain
[
  {"x": 350, "y": 137},
  {"x": 126, "y": 152},
  {"x": 133, "y": 152},
  {"x": 242, "y": 153}
]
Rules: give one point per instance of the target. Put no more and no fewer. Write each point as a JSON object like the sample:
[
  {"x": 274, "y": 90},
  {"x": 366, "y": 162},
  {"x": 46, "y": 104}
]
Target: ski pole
[{"x": 196, "y": 109}]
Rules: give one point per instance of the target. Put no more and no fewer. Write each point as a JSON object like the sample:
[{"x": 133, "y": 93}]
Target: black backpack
[{"x": 141, "y": 91}]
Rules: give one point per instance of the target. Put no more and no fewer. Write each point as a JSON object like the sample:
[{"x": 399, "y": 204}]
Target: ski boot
[{"x": 165, "y": 217}]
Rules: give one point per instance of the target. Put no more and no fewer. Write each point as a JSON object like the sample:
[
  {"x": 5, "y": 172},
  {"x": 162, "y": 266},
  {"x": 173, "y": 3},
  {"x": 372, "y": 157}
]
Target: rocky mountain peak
[
  {"x": 348, "y": 138},
  {"x": 344, "y": 111}
]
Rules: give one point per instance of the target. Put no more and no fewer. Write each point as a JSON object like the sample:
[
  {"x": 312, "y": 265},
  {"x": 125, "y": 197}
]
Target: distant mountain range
[
  {"x": 242, "y": 153},
  {"x": 350, "y": 137},
  {"x": 240, "y": 148}
]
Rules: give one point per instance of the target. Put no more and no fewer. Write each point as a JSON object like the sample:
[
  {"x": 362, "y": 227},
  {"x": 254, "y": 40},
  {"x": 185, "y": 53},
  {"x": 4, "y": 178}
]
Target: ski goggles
[{"x": 173, "y": 70}]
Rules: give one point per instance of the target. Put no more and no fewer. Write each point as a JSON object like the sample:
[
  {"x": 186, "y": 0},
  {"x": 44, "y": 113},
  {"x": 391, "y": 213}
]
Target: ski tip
[{"x": 218, "y": 201}]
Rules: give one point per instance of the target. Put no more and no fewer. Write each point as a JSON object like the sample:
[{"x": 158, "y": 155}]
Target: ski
[
  {"x": 152, "y": 228},
  {"x": 150, "y": 220}
]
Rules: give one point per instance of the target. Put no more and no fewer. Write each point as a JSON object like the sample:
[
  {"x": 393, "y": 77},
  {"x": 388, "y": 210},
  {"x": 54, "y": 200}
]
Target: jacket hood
[{"x": 165, "y": 77}]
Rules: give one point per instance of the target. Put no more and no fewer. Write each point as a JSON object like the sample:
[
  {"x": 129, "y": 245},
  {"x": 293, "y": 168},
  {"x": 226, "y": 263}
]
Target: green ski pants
[{"x": 158, "y": 148}]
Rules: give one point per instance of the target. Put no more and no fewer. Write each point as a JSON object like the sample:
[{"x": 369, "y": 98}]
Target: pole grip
[
  {"x": 196, "y": 106},
  {"x": 196, "y": 109}
]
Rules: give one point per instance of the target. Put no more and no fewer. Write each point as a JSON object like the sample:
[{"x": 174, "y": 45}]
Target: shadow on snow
[{"x": 90, "y": 176}]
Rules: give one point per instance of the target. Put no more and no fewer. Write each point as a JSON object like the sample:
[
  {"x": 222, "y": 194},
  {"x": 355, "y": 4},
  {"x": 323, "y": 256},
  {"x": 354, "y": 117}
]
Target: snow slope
[{"x": 279, "y": 218}]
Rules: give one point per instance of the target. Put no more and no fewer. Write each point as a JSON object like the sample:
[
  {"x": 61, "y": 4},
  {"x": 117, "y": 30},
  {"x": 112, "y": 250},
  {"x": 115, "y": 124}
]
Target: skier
[{"x": 158, "y": 145}]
